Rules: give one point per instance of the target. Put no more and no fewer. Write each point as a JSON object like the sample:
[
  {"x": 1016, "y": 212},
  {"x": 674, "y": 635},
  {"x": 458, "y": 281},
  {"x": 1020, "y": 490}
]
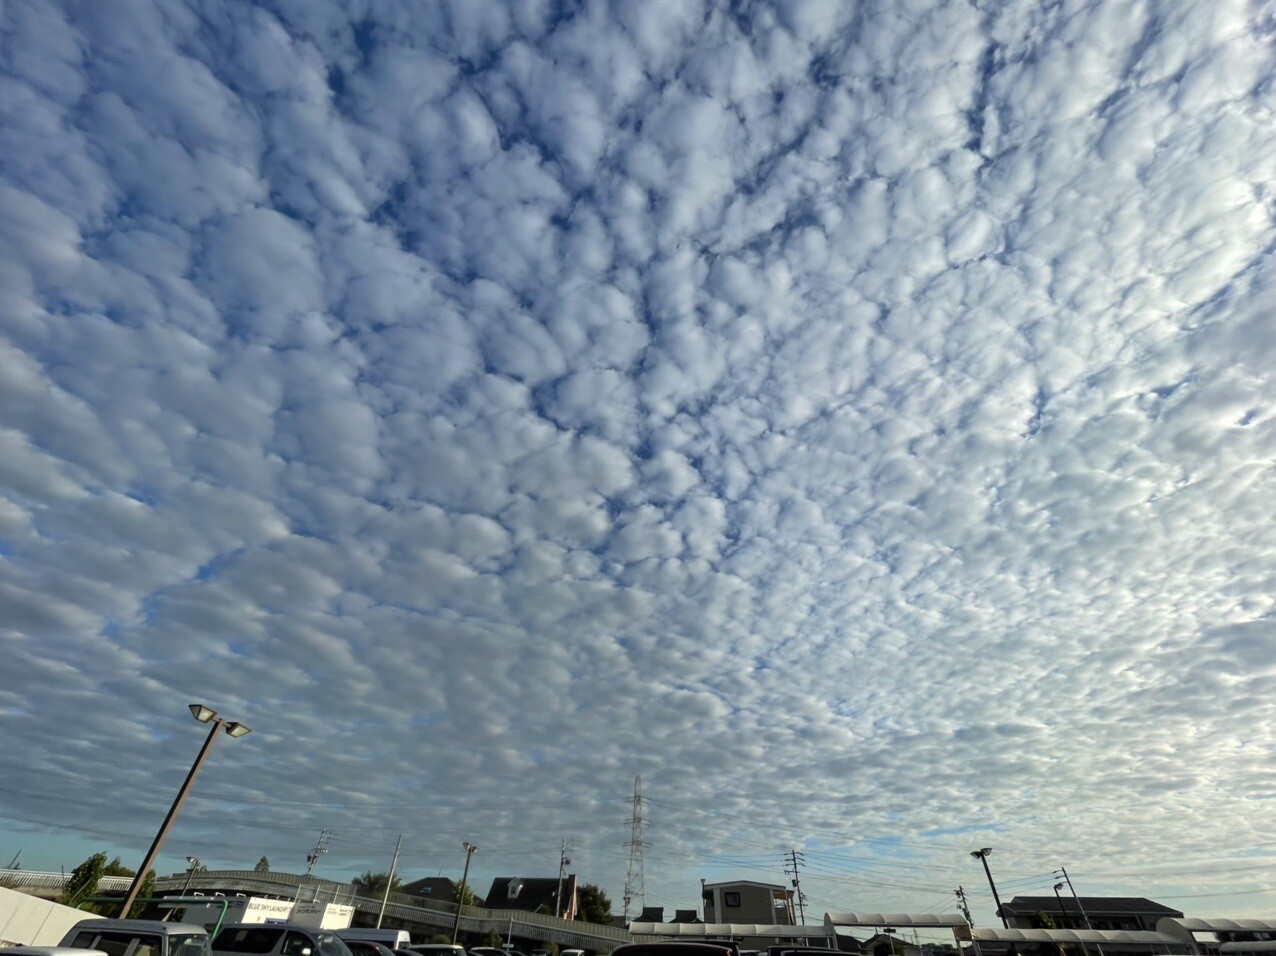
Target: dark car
[
  {"x": 697, "y": 948},
  {"x": 363, "y": 947}
]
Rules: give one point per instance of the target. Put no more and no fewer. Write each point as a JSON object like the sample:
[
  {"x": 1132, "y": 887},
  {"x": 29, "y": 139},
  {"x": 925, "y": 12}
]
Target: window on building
[{"x": 730, "y": 899}]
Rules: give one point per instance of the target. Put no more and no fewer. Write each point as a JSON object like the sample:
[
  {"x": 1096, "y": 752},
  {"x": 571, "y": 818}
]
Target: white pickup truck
[{"x": 125, "y": 937}]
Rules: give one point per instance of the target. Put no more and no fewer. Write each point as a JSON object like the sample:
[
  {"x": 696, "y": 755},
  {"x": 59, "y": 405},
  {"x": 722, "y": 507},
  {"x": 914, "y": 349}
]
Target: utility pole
[
  {"x": 470, "y": 850},
  {"x": 796, "y": 859},
  {"x": 563, "y": 861},
  {"x": 1062, "y": 871},
  {"x": 965, "y": 911},
  {"x": 635, "y": 882},
  {"x": 982, "y": 855},
  {"x": 321, "y": 847},
  {"x": 394, "y": 865}
]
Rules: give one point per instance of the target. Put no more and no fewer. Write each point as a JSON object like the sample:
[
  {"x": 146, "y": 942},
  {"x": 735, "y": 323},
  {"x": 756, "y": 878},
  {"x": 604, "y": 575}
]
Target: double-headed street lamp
[
  {"x": 205, "y": 715},
  {"x": 982, "y": 855},
  {"x": 470, "y": 850}
]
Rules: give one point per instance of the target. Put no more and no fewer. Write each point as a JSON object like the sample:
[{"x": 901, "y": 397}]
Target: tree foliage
[
  {"x": 376, "y": 883},
  {"x": 263, "y": 866},
  {"x": 593, "y": 905},
  {"x": 463, "y": 894},
  {"x": 84, "y": 880},
  {"x": 494, "y": 940},
  {"x": 144, "y": 892}
]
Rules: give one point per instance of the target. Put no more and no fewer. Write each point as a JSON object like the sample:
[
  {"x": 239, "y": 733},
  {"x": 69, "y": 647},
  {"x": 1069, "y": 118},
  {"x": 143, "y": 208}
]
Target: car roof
[{"x": 140, "y": 926}]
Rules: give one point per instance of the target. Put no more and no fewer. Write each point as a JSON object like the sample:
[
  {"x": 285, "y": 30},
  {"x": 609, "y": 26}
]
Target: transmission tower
[{"x": 635, "y": 884}]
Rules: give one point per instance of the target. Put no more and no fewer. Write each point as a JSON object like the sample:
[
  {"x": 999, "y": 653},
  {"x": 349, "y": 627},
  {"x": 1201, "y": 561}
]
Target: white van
[{"x": 393, "y": 938}]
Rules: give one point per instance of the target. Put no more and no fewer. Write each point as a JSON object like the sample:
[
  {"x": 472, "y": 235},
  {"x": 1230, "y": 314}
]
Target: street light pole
[
  {"x": 394, "y": 865},
  {"x": 470, "y": 850},
  {"x": 982, "y": 854},
  {"x": 193, "y": 865},
  {"x": 1080, "y": 906},
  {"x": 205, "y": 715}
]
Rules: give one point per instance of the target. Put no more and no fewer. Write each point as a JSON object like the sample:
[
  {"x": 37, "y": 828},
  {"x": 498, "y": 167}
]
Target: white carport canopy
[
  {"x": 1253, "y": 946},
  {"x": 1141, "y": 937},
  {"x": 908, "y": 920},
  {"x": 1174, "y": 925},
  {"x": 723, "y": 930}
]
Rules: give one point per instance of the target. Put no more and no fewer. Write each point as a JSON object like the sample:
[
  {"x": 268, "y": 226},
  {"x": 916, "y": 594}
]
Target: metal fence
[
  {"x": 15, "y": 878},
  {"x": 406, "y": 907}
]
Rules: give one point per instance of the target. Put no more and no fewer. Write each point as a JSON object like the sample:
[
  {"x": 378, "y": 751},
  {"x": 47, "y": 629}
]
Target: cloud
[{"x": 856, "y": 421}]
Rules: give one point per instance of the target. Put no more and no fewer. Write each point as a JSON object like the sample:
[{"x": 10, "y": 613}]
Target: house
[
  {"x": 1105, "y": 912},
  {"x": 438, "y": 888},
  {"x": 684, "y": 916},
  {"x": 531, "y": 894},
  {"x": 746, "y": 901}
]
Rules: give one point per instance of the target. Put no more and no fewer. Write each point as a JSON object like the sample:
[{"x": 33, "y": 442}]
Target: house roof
[
  {"x": 533, "y": 892},
  {"x": 729, "y": 883},
  {"x": 1093, "y": 905},
  {"x": 433, "y": 887}
]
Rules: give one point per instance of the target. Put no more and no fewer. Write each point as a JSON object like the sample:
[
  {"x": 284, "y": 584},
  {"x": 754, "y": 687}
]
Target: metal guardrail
[
  {"x": 407, "y": 908},
  {"x": 11, "y": 878}
]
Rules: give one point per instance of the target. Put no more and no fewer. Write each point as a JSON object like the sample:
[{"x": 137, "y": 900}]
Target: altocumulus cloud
[{"x": 855, "y": 418}]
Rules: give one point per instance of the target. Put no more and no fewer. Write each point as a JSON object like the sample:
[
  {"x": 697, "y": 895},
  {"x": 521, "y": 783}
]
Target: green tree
[
  {"x": 551, "y": 949},
  {"x": 463, "y": 894},
  {"x": 116, "y": 868},
  {"x": 494, "y": 940},
  {"x": 84, "y": 880},
  {"x": 144, "y": 893},
  {"x": 440, "y": 938},
  {"x": 593, "y": 905},
  {"x": 375, "y": 882},
  {"x": 263, "y": 866}
]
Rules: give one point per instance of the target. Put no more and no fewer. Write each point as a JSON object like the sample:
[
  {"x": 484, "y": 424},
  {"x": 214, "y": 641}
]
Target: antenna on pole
[
  {"x": 635, "y": 883},
  {"x": 795, "y": 860}
]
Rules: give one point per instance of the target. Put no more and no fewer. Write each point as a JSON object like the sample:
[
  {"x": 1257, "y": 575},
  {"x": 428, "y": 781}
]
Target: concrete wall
[{"x": 29, "y": 921}]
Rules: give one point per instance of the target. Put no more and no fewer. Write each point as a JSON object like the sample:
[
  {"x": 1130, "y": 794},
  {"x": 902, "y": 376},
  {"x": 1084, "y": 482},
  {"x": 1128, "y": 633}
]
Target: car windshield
[
  {"x": 117, "y": 944},
  {"x": 243, "y": 939},
  {"x": 330, "y": 944},
  {"x": 189, "y": 944}
]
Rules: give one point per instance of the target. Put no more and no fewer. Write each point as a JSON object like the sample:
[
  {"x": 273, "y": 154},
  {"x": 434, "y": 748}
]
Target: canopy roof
[
  {"x": 1193, "y": 925},
  {"x": 720, "y": 930},
  {"x": 917, "y": 920},
  {"x": 991, "y": 935}
]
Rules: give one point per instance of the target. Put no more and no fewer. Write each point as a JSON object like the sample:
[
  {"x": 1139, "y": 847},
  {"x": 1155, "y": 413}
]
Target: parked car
[
  {"x": 389, "y": 938},
  {"x": 138, "y": 937},
  {"x": 272, "y": 939},
  {"x": 436, "y": 949},
  {"x": 697, "y": 948},
  {"x": 363, "y": 947}
]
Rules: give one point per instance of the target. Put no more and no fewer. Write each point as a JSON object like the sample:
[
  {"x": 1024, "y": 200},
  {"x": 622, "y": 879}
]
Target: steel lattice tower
[{"x": 635, "y": 883}]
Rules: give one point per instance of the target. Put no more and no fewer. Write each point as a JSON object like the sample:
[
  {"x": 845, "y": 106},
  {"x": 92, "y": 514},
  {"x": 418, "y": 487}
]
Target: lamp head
[
  {"x": 193, "y": 860},
  {"x": 202, "y": 712},
  {"x": 470, "y": 847},
  {"x": 236, "y": 729},
  {"x": 981, "y": 852}
]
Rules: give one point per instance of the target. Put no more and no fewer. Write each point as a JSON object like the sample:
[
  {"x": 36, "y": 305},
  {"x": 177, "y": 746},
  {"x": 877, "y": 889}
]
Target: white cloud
[{"x": 858, "y": 422}]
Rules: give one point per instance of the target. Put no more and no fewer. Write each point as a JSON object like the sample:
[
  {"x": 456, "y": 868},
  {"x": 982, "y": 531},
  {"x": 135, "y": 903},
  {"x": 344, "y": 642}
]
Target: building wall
[
  {"x": 30, "y": 921},
  {"x": 756, "y": 905}
]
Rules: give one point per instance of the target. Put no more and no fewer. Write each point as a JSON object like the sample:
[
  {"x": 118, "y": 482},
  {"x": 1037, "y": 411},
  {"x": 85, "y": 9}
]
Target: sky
[{"x": 854, "y": 418}]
